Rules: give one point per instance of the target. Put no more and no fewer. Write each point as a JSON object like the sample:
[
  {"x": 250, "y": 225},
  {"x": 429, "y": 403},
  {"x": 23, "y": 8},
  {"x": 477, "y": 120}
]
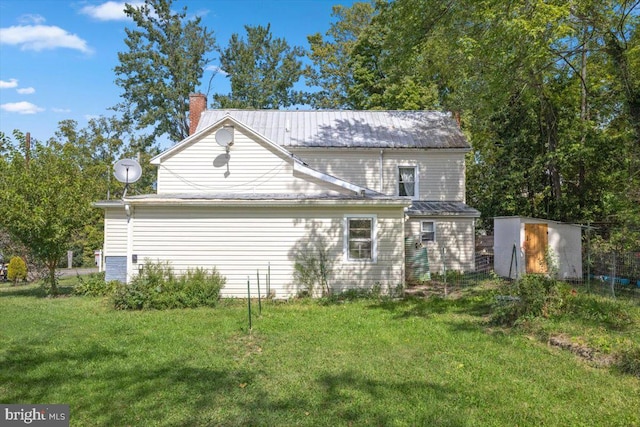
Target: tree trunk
[{"x": 53, "y": 280}]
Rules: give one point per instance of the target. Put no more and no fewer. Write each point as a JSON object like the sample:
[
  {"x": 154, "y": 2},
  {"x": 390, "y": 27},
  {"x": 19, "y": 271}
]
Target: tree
[
  {"x": 16, "y": 270},
  {"x": 44, "y": 201},
  {"x": 332, "y": 72},
  {"x": 262, "y": 70},
  {"x": 547, "y": 92},
  {"x": 164, "y": 64}
]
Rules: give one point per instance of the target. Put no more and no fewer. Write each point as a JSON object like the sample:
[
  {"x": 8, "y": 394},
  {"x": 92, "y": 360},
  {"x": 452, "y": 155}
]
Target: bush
[
  {"x": 156, "y": 287},
  {"x": 95, "y": 286},
  {"x": 17, "y": 269},
  {"x": 531, "y": 296},
  {"x": 629, "y": 361}
]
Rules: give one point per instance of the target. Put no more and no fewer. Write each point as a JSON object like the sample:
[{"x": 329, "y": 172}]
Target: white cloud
[
  {"x": 8, "y": 84},
  {"x": 26, "y": 90},
  {"x": 21, "y": 107},
  {"x": 41, "y": 37},
  {"x": 31, "y": 19},
  {"x": 216, "y": 69},
  {"x": 109, "y": 11},
  {"x": 61, "y": 110}
]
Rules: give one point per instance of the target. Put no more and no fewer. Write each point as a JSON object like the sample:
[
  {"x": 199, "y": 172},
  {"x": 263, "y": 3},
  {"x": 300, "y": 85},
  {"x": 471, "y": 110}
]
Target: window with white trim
[
  {"x": 360, "y": 238},
  {"x": 427, "y": 231},
  {"x": 408, "y": 181}
]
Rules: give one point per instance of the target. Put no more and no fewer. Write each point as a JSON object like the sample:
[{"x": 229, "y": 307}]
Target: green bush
[
  {"x": 157, "y": 287},
  {"x": 95, "y": 286},
  {"x": 16, "y": 270},
  {"x": 532, "y": 295},
  {"x": 629, "y": 361}
]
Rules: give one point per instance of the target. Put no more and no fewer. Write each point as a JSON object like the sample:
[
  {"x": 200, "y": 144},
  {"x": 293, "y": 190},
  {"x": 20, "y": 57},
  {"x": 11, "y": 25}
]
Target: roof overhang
[
  {"x": 254, "y": 200},
  {"x": 428, "y": 208}
]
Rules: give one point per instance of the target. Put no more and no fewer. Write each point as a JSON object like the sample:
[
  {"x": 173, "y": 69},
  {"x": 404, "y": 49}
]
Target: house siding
[
  {"x": 115, "y": 231},
  {"x": 238, "y": 242},
  {"x": 454, "y": 235},
  {"x": 441, "y": 174},
  {"x": 252, "y": 168}
]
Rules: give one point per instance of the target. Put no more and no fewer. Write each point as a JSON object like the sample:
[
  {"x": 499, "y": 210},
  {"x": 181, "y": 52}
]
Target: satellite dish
[
  {"x": 127, "y": 171},
  {"x": 224, "y": 137}
]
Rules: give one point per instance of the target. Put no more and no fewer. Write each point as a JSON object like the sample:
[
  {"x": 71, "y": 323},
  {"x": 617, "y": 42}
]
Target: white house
[
  {"x": 526, "y": 245},
  {"x": 252, "y": 189}
]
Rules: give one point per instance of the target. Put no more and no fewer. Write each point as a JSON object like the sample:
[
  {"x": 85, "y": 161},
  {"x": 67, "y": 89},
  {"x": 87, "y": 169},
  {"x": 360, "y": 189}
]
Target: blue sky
[{"x": 57, "y": 57}]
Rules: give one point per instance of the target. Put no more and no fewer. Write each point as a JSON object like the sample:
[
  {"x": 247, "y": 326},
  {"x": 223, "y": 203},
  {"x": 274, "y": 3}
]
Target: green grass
[{"x": 365, "y": 362}]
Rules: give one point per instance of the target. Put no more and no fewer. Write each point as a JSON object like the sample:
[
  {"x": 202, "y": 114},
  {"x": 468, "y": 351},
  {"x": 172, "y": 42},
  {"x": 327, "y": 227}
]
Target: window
[
  {"x": 427, "y": 231},
  {"x": 360, "y": 242},
  {"x": 407, "y": 181}
]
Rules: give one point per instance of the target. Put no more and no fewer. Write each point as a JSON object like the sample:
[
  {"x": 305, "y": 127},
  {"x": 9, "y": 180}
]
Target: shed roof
[{"x": 347, "y": 128}]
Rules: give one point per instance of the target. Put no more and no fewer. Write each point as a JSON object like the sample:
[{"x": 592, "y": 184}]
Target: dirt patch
[
  {"x": 584, "y": 352},
  {"x": 434, "y": 289}
]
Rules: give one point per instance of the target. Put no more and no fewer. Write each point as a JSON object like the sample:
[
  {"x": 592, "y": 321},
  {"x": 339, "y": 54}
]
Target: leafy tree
[
  {"x": 546, "y": 92},
  {"x": 44, "y": 201},
  {"x": 262, "y": 70},
  {"x": 164, "y": 63},
  {"x": 332, "y": 71}
]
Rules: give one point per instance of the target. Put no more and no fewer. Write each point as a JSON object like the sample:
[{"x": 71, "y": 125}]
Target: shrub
[
  {"x": 531, "y": 296},
  {"x": 312, "y": 270},
  {"x": 629, "y": 361},
  {"x": 156, "y": 287},
  {"x": 17, "y": 269},
  {"x": 95, "y": 286}
]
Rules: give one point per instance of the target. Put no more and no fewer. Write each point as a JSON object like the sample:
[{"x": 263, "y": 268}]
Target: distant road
[{"x": 66, "y": 272}]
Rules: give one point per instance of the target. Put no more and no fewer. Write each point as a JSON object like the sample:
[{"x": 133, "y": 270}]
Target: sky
[{"x": 57, "y": 56}]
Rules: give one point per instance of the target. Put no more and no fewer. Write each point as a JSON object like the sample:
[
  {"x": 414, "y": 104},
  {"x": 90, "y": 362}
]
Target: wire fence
[
  {"x": 612, "y": 273},
  {"x": 609, "y": 273}
]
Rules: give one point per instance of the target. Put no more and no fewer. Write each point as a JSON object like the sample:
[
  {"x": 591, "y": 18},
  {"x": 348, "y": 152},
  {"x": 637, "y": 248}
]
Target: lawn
[{"x": 364, "y": 362}]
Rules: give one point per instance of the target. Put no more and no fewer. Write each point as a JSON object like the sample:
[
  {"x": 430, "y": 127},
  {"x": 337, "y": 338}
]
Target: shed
[{"x": 527, "y": 245}]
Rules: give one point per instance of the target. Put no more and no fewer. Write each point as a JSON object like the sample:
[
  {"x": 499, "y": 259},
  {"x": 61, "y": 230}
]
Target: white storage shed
[{"x": 525, "y": 245}]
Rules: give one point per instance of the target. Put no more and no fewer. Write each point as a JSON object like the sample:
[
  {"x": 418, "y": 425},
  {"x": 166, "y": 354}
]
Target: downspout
[{"x": 381, "y": 172}]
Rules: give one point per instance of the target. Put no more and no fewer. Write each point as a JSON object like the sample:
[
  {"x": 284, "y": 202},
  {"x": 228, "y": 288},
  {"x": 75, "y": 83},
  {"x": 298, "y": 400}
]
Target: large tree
[
  {"x": 262, "y": 69},
  {"x": 332, "y": 71},
  {"x": 45, "y": 199},
  {"x": 165, "y": 61},
  {"x": 546, "y": 90}
]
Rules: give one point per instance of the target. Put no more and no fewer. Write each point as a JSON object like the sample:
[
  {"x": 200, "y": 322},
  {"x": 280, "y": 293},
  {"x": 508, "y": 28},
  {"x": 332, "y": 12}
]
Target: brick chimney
[{"x": 197, "y": 104}]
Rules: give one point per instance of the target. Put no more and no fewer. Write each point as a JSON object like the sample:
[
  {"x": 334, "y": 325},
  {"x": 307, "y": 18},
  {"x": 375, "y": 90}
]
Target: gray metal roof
[
  {"x": 347, "y": 128},
  {"x": 424, "y": 207}
]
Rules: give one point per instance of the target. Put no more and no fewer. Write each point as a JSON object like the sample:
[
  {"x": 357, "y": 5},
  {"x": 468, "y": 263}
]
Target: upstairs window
[
  {"x": 407, "y": 181},
  {"x": 360, "y": 243}
]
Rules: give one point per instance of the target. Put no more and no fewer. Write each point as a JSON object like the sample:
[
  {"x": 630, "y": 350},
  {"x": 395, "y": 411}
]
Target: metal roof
[
  {"x": 347, "y": 128},
  {"x": 425, "y": 207}
]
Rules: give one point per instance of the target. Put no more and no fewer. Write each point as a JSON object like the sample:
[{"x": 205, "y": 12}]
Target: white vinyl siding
[
  {"x": 455, "y": 235},
  {"x": 115, "y": 232},
  {"x": 250, "y": 168},
  {"x": 441, "y": 173},
  {"x": 239, "y": 241}
]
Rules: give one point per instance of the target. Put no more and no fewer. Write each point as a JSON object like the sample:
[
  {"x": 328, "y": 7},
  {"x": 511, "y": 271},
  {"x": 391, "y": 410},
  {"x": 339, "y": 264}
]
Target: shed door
[{"x": 536, "y": 241}]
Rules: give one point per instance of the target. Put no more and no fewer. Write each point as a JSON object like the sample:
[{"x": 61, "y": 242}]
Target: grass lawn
[{"x": 387, "y": 363}]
